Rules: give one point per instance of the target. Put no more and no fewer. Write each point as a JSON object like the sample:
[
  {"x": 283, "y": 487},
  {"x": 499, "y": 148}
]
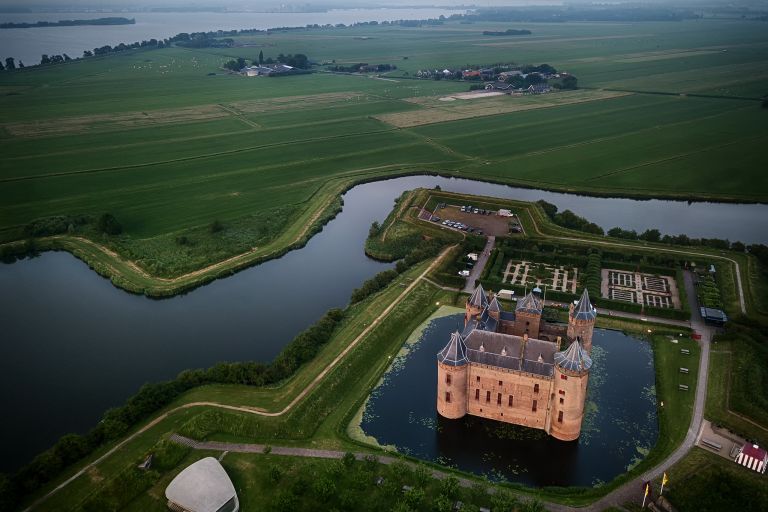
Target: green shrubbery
[{"x": 708, "y": 293}]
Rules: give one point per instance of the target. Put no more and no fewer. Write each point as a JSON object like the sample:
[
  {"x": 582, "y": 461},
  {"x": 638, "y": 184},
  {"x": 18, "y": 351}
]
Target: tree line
[{"x": 570, "y": 220}]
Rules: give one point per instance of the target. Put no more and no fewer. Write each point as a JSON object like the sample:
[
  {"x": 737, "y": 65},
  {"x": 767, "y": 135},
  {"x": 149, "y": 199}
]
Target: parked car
[{"x": 464, "y": 273}]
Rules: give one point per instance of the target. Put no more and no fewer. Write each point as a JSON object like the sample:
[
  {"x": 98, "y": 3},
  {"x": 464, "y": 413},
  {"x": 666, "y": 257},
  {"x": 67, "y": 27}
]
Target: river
[
  {"x": 28, "y": 44},
  {"x": 73, "y": 345}
]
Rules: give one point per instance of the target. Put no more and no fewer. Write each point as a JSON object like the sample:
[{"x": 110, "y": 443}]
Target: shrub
[{"x": 108, "y": 224}]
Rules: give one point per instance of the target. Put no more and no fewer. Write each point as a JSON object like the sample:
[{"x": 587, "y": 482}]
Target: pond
[
  {"x": 73, "y": 345},
  {"x": 619, "y": 428}
]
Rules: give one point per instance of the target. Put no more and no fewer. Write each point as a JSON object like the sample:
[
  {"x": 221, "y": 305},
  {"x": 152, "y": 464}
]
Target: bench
[
  {"x": 683, "y": 387},
  {"x": 683, "y": 370}
]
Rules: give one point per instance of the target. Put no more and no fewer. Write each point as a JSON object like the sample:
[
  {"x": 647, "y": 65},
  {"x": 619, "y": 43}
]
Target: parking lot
[{"x": 488, "y": 223}]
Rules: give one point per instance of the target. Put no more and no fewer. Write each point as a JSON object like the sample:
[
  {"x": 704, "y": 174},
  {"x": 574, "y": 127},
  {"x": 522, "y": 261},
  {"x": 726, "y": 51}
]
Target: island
[{"x": 72, "y": 23}]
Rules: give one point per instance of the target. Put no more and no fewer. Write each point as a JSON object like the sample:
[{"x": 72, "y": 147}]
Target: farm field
[{"x": 169, "y": 143}]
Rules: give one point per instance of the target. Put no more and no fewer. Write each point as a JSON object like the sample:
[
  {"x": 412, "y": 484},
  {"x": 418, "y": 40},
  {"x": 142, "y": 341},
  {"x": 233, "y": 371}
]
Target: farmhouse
[{"x": 514, "y": 367}]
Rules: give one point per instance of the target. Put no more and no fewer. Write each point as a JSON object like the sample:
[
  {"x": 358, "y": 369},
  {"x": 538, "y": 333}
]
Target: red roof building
[{"x": 753, "y": 457}]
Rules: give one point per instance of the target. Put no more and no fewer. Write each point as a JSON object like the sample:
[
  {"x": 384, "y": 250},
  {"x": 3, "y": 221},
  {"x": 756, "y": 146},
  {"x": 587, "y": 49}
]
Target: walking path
[{"x": 482, "y": 259}]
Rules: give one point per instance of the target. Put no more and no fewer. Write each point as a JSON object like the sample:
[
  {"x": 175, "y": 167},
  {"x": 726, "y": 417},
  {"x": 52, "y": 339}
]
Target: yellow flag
[
  {"x": 664, "y": 479},
  {"x": 647, "y": 489}
]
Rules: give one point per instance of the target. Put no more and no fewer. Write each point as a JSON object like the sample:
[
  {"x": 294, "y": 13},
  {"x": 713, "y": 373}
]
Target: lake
[
  {"x": 73, "y": 345},
  {"x": 28, "y": 44},
  {"x": 619, "y": 428}
]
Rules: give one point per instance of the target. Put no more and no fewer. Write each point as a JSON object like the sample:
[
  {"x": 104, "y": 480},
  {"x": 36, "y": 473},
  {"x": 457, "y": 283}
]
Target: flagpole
[
  {"x": 644, "y": 496},
  {"x": 662, "y": 488}
]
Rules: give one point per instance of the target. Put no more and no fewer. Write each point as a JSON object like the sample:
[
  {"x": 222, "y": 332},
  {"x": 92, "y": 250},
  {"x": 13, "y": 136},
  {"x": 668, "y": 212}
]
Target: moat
[
  {"x": 620, "y": 424},
  {"x": 77, "y": 345}
]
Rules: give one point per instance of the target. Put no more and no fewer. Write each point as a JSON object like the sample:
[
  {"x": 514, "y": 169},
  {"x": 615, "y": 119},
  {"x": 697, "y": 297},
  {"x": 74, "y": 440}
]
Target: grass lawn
[
  {"x": 705, "y": 482},
  {"x": 151, "y": 138}
]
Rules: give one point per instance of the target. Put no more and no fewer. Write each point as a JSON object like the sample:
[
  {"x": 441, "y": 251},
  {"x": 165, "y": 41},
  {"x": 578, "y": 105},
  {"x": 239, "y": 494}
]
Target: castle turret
[
  {"x": 528, "y": 314},
  {"x": 581, "y": 321},
  {"x": 571, "y": 375},
  {"x": 494, "y": 308},
  {"x": 476, "y": 303},
  {"x": 452, "y": 371}
]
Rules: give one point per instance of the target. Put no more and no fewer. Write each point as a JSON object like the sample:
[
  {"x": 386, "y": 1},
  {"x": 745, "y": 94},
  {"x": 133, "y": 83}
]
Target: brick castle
[{"x": 517, "y": 368}]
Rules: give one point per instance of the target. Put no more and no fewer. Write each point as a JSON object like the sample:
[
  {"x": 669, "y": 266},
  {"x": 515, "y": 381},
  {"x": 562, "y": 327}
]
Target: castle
[{"x": 511, "y": 367}]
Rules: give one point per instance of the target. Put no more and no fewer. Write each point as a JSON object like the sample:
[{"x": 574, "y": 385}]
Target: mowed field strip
[{"x": 438, "y": 110}]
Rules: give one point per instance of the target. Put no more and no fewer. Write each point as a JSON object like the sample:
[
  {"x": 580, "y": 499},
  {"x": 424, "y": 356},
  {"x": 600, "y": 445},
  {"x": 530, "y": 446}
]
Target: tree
[
  {"x": 738, "y": 247},
  {"x": 502, "y": 501},
  {"x": 348, "y": 459},
  {"x": 570, "y": 82},
  {"x": 45, "y": 60},
  {"x": 87, "y": 53},
  {"x": 10, "y": 63},
  {"x": 650, "y": 235},
  {"x": 2, "y": 68},
  {"x": 21, "y": 64},
  {"x": 108, "y": 224},
  {"x": 374, "y": 229},
  {"x": 261, "y": 57}
]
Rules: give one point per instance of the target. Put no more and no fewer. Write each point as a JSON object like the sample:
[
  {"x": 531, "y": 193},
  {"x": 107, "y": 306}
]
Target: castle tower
[
  {"x": 528, "y": 314},
  {"x": 581, "y": 321},
  {"x": 494, "y": 308},
  {"x": 569, "y": 392},
  {"x": 476, "y": 303},
  {"x": 452, "y": 371}
]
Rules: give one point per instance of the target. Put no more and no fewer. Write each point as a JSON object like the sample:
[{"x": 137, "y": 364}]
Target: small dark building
[{"x": 713, "y": 316}]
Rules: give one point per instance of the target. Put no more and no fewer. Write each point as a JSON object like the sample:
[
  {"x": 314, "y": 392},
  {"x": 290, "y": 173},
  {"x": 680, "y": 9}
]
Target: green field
[{"x": 150, "y": 137}]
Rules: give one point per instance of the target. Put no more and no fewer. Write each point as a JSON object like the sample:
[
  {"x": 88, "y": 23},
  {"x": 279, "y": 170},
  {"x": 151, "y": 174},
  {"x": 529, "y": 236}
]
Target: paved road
[{"x": 482, "y": 259}]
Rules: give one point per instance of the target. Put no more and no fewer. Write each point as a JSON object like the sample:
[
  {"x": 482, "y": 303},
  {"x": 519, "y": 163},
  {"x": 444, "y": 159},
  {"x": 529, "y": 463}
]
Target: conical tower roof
[
  {"x": 494, "y": 306},
  {"x": 584, "y": 310},
  {"x": 574, "y": 358},
  {"x": 455, "y": 352},
  {"x": 479, "y": 298},
  {"x": 531, "y": 303}
]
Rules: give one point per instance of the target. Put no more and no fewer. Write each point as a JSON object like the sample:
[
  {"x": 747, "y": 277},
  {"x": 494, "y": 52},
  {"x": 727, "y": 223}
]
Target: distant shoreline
[{"x": 71, "y": 23}]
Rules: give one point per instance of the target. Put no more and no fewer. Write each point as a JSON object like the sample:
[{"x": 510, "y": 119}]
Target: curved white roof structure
[{"x": 202, "y": 487}]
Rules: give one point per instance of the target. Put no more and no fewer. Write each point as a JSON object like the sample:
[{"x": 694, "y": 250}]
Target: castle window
[
  {"x": 564, "y": 377},
  {"x": 562, "y": 400},
  {"x": 498, "y": 399},
  {"x": 487, "y": 396},
  {"x": 448, "y": 378},
  {"x": 447, "y": 397},
  {"x": 478, "y": 378},
  {"x": 510, "y": 400},
  {"x": 477, "y": 394},
  {"x": 562, "y": 392},
  {"x": 500, "y": 383},
  {"x": 535, "y": 388},
  {"x": 533, "y": 408},
  {"x": 560, "y": 417}
]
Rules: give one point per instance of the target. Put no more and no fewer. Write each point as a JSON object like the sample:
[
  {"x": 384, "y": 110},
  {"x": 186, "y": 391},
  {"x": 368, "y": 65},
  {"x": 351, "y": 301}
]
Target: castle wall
[
  {"x": 483, "y": 391},
  {"x": 572, "y": 390},
  {"x": 452, "y": 390}
]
